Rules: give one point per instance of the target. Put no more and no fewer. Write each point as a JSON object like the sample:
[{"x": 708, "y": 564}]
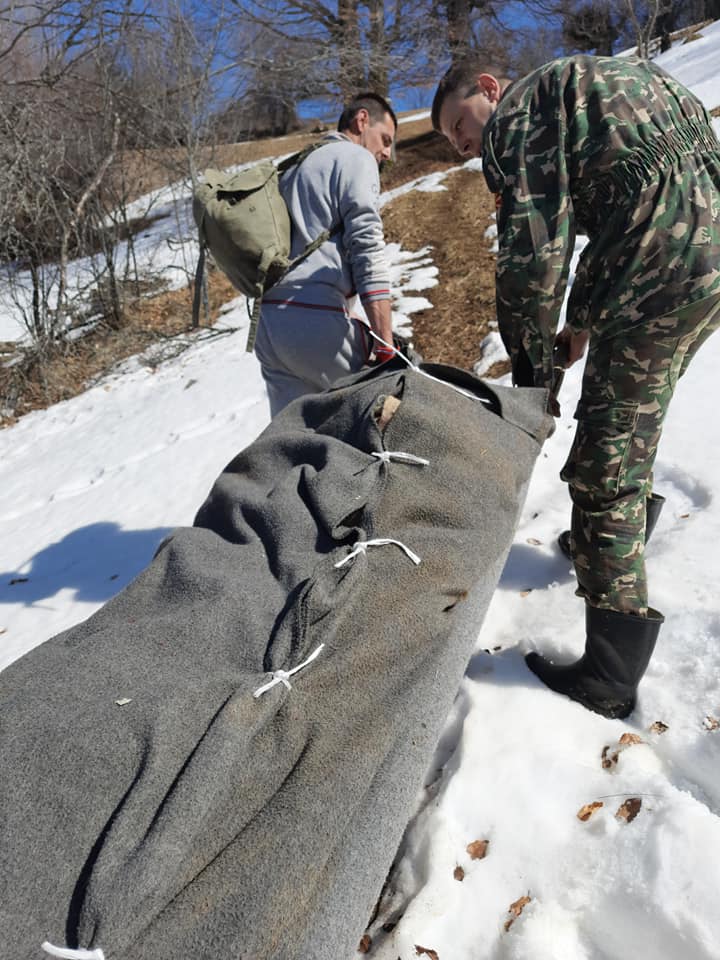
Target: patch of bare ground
[
  {"x": 453, "y": 223},
  {"x": 33, "y": 381}
]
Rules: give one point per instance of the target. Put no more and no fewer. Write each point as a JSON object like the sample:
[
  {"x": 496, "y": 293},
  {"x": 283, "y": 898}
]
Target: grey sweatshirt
[{"x": 337, "y": 183}]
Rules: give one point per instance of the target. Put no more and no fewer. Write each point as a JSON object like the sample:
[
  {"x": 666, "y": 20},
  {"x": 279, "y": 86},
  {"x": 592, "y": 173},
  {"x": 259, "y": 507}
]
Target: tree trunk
[
  {"x": 378, "y": 59},
  {"x": 352, "y": 74}
]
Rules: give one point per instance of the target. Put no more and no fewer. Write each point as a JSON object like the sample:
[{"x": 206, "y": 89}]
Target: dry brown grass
[
  {"x": 453, "y": 223},
  {"x": 35, "y": 382}
]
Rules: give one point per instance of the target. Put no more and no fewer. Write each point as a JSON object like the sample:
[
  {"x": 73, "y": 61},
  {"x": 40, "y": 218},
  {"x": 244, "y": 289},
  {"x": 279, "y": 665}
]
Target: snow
[
  {"x": 92, "y": 485},
  {"x": 411, "y": 118}
]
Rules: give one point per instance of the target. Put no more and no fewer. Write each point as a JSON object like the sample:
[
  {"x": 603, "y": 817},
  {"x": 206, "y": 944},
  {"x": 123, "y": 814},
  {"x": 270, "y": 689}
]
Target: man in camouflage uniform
[{"x": 616, "y": 149}]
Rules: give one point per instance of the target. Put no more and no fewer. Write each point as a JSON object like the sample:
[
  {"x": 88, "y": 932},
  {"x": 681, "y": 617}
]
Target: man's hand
[
  {"x": 380, "y": 318},
  {"x": 569, "y": 347}
]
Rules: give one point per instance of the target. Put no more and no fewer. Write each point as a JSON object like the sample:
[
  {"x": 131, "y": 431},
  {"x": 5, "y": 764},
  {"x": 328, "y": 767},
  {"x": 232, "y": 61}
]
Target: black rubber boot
[
  {"x": 617, "y": 651},
  {"x": 653, "y": 509}
]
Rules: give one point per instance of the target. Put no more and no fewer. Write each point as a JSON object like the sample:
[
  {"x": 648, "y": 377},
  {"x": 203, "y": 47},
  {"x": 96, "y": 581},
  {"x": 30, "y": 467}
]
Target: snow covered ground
[{"x": 92, "y": 485}]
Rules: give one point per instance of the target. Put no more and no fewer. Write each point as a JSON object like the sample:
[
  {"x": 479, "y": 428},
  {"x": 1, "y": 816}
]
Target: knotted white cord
[
  {"x": 66, "y": 953},
  {"x": 424, "y": 373},
  {"x": 362, "y": 546},
  {"x": 283, "y": 676},
  {"x": 388, "y": 456}
]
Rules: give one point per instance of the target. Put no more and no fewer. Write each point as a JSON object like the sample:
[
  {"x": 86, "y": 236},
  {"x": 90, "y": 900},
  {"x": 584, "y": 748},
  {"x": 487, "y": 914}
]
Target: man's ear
[
  {"x": 360, "y": 121},
  {"x": 489, "y": 86}
]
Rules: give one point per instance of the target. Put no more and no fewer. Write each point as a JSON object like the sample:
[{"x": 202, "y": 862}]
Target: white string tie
[
  {"x": 283, "y": 676},
  {"x": 362, "y": 547},
  {"x": 424, "y": 373},
  {"x": 389, "y": 456},
  {"x": 65, "y": 953}
]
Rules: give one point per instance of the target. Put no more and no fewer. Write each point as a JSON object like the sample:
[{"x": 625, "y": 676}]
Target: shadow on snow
[{"x": 96, "y": 562}]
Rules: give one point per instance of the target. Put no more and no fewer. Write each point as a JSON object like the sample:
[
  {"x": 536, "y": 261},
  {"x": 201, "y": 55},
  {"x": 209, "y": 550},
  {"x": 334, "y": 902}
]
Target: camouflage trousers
[{"x": 629, "y": 381}]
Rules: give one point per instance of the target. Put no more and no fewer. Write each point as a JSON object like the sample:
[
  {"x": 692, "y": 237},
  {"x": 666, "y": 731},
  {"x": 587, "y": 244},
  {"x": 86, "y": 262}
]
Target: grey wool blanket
[{"x": 220, "y": 762}]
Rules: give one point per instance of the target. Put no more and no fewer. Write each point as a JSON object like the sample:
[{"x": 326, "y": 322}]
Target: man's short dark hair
[
  {"x": 461, "y": 79},
  {"x": 377, "y": 107}
]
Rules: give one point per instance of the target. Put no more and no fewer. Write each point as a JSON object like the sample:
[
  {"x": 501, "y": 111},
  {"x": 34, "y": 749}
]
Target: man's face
[
  {"x": 463, "y": 119},
  {"x": 376, "y": 137}
]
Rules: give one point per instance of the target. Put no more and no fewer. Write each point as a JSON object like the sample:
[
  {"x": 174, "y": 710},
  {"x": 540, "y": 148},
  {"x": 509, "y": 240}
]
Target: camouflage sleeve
[{"x": 526, "y": 165}]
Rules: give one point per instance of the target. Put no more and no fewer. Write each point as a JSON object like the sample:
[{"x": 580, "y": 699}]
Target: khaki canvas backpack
[{"x": 244, "y": 222}]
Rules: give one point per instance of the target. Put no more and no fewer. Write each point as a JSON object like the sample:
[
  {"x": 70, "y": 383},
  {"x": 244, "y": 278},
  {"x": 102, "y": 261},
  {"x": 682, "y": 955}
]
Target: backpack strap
[
  {"x": 257, "y": 305},
  {"x": 297, "y": 158},
  {"x": 263, "y": 267},
  {"x": 199, "y": 278}
]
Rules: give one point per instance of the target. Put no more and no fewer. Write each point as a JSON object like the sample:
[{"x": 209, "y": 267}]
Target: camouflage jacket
[{"x": 616, "y": 149}]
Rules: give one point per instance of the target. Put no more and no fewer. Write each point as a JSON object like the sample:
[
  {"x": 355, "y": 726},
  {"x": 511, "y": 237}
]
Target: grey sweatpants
[{"x": 306, "y": 349}]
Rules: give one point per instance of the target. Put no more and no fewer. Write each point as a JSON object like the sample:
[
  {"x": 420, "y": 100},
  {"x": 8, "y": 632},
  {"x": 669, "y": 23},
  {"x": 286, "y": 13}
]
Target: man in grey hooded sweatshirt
[{"x": 308, "y": 337}]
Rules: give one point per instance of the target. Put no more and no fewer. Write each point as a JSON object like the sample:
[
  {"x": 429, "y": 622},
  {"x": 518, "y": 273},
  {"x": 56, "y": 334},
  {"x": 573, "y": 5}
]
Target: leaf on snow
[
  {"x": 534, "y": 542},
  {"x": 628, "y": 810},
  {"x": 711, "y": 723},
  {"x": 478, "y": 849},
  {"x": 659, "y": 727},
  {"x": 629, "y": 738},
  {"x": 419, "y": 951},
  {"x": 525, "y": 593},
  {"x": 610, "y": 755},
  {"x": 584, "y": 813},
  {"x": 459, "y": 873},
  {"x": 516, "y": 909},
  {"x": 365, "y": 944}
]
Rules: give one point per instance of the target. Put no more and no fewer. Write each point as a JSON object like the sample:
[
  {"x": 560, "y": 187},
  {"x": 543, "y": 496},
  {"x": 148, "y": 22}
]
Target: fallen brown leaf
[
  {"x": 610, "y": 755},
  {"x": 419, "y": 951},
  {"x": 628, "y": 738},
  {"x": 711, "y": 723},
  {"x": 365, "y": 944},
  {"x": 459, "y": 873},
  {"x": 628, "y": 810},
  {"x": 478, "y": 849},
  {"x": 534, "y": 542},
  {"x": 584, "y": 813},
  {"x": 525, "y": 593},
  {"x": 659, "y": 727},
  {"x": 516, "y": 909},
  {"x": 684, "y": 516}
]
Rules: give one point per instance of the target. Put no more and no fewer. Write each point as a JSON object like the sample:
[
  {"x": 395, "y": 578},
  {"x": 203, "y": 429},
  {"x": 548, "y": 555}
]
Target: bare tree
[
  {"x": 593, "y": 27},
  {"x": 644, "y": 18},
  {"x": 342, "y": 46},
  {"x": 79, "y": 83},
  {"x": 53, "y": 122}
]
